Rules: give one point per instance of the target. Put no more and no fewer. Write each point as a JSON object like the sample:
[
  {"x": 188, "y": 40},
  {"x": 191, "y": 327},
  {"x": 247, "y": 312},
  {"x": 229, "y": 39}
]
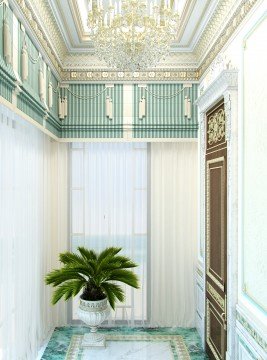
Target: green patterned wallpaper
[
  {"x": 87, "y": 112},
  {"x": 165, "y": 112}
]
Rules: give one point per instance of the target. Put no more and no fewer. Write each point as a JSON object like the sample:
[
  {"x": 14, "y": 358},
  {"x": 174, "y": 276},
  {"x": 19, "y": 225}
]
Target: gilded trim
[
  {"x": 122, "y": 76},
  {"x": 231, "y": 26},
  {"x": 216, "y": 296},
  {"x": 208, "y": 269}
]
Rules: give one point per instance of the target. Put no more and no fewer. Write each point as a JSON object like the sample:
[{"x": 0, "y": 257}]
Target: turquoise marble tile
[{"x": 59, "y": 342}]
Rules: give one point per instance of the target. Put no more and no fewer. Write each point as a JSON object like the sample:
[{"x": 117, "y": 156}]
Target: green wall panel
[
  {"x": 87, "y": 118},
  {"x": 54, "y": 109},
  {"x": 35, "y": 63},
  {"x": 31, "y": 107},
  {"x": 7, "y": 76},
  {"x": 53, "y": 123},
  {"x": 165, "y": 116}
]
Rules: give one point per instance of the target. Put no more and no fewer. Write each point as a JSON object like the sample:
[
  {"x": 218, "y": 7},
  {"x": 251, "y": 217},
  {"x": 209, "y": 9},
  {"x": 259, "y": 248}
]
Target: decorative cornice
[
  {"x": 214, "y": 27},
  {"x": 225, "y": 81},
  {"x": 34, "y": 24},
  {"x": 230, "y": 27},
  {"x": 88, "y": 60},
  {"x": 122, "y": 76}
]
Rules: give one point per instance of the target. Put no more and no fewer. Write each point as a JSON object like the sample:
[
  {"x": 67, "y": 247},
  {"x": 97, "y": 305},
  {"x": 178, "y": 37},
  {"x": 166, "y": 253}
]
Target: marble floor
[{"x": 126, "y": 344}]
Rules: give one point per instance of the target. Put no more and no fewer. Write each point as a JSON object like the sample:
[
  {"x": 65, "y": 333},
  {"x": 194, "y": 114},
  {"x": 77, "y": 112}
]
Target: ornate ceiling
[{"x": 59, "y": 26}]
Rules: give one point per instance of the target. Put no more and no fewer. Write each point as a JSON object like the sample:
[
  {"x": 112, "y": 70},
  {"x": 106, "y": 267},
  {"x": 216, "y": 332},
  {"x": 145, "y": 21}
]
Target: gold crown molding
[
  {"x": 214, "y": 26},
  {"x": 43, "y": 14},
  {"x": 38, "y": 32},
  {"x": 86, "y": 61},
  {"x": 122, "y": 76},
  {"x": 233, "y": 23}
]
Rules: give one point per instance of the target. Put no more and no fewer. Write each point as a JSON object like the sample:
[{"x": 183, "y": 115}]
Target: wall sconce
[
  {"x": 41, "y": 84},
  {"x": 24, "y": 63},
  {"x": 7, "y": 42},
  {"x": 187, "y": 107},
  {"x": 50, "y": 95},
  {"x": 62, "y": 107},
  {"x": 142, "y": 108},
  {"x": 109, "y": 107}
]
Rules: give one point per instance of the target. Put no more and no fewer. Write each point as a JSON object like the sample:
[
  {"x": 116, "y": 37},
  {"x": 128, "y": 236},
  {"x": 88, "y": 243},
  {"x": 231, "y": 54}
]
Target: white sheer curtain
[
  {"x": 33, "y": 230},
  {"x": 109, "y": 208},
  {"x": 173, "y": 233}
]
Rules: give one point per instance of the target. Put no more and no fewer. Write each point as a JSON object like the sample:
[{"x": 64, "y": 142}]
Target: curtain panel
[
  {"x": 33, "y": 230},
  {"x": 173, "y": 233}
]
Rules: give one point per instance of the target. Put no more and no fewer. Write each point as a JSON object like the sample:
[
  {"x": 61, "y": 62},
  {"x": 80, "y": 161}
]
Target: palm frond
[
  {"x": 57, "y": 277},
  {"x": 88, "y": 255},
  {"x": 67, "y": 290},
  {"x": 118, "y": 262},
  {"x": 124, "y": 276},
  {"x": 112, "y": 292},
  {"x": 108, "y": 252},
  {"x": 69, "y": 258},
  {"x": 116, "y": 289}
]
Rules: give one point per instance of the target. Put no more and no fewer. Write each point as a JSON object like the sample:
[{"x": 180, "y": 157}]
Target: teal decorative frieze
[
  {"x": 165, "y": 115},
  {"x": 87, "y": 115}
]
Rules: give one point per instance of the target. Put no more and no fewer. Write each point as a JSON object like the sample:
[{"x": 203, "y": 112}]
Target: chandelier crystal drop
[{"x": 132, "y": 34}]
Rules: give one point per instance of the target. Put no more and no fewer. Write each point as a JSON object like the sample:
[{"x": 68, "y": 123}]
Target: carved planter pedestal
[{"x": 93, "y": 313}]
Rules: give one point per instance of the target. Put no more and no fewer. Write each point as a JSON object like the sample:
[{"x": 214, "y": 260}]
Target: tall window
[{"x": 109, "y": 208}]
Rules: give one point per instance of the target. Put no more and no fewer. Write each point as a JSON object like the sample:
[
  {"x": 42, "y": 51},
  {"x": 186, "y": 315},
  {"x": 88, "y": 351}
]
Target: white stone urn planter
[{"x": 93, "y": 313}]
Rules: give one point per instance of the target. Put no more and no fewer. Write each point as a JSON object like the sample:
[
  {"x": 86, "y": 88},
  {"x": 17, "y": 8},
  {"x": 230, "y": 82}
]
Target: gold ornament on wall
[{"x": 216, "y": 127}]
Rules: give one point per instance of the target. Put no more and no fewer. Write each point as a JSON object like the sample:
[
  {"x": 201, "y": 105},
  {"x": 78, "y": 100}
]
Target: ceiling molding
[
  {"x": 85, "y": 61},
  {"x": 78, "y": 22},
  {"x": 25, "y": 12},
  {"x": 227, "y": 31},
  {"x": 183, "y": 65}
]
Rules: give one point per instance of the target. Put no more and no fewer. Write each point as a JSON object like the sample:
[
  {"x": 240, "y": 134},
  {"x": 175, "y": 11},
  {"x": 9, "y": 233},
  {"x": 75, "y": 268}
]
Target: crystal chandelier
[{"x": 132, "y": 34}]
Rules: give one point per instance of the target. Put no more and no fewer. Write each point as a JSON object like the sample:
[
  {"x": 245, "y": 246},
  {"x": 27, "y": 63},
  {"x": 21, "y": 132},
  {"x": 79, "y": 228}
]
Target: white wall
[
  {"x": 246, "y": 52},
  {"x": 33, "y": 230}
]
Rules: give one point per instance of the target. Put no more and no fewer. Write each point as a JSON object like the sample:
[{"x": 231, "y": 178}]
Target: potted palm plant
[{"x": 96, "y": 275}]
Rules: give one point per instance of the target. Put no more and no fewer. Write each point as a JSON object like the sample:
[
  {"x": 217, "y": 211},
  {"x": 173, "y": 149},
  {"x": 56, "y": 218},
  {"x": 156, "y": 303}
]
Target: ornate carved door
[{"x": 216, "y": 232}]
